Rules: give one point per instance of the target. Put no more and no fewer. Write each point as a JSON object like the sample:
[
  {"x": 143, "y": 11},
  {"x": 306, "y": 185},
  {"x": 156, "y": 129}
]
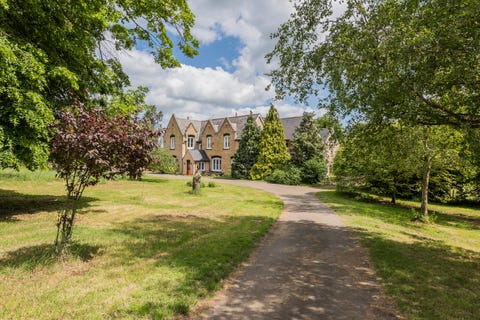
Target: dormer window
[
  {"x": 172, "y": 142},
  {"x": 209, "y": 142},
  {"x": 226, "y": 141},
  {"x": 191, "y": 142}
]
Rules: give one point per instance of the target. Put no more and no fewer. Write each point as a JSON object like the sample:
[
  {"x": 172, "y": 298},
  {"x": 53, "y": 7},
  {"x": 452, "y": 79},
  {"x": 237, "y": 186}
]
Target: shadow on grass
[
  {"x": 44, "y": 254},
  {"x": 204, "y": 250},
  {"x": 428, "y": 279},
  {"x": 400, "y": 213},
  {"x": 14, "y": 203}
]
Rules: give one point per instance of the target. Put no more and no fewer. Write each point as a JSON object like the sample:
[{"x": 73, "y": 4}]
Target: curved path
[{"x": 309, "y": 266}]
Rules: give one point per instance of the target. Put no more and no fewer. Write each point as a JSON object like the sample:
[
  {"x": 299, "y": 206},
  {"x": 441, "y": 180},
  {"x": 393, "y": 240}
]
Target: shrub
[
  {"x": 314, "y": 171},
  {"x": 163, "y": 161},
  {"x": 212, "y": 184},
  {"x": 286, "y": 175}
]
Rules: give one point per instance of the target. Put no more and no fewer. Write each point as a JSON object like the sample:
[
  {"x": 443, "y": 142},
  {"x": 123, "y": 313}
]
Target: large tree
[
  {"x": 247, "y": 152},
  {"x": 272, "y": 147},
  {"x": 306, "y": 143},
  {"x": 395, "y": 159},
  {"x": 418, "y": 61},
  {"x": 53, "y": 52}
]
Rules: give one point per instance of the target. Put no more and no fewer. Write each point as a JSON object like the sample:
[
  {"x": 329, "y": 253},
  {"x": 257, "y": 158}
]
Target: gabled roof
[{"x": 289, "y": 126}]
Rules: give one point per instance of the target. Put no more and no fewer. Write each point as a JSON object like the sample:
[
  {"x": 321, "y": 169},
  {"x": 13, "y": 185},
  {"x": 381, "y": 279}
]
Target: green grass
[
  {"x": 431, "y": 270},
  {"x": 142, "y": 249}
]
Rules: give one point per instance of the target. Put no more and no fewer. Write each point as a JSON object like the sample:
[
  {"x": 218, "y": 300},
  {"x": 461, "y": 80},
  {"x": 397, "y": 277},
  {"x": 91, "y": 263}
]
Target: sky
[{"x": 228, "y": 77}]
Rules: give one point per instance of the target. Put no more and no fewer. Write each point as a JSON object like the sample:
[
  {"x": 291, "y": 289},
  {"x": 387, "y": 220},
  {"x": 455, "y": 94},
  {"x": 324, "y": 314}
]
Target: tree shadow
[
  {"x": 204, "y": 250},
  {"x": 14, "y": 203},
  {"x": 428, "y": 278},
  {"x": 44, "y": 254},
  {"x": 388, "y": 212}
]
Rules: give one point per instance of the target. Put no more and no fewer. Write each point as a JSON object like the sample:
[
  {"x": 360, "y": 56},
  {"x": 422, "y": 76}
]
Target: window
[
  {"x": 209, "y": 142},
  {"x": 172, "y": 142},
  {"x": 201, "y": 166},
  {"x": 217, "y": 164},
  {"x": 199, "y": 146},
  {"x": 190, "y": 142},
  {"x": 226, "y": 141}
]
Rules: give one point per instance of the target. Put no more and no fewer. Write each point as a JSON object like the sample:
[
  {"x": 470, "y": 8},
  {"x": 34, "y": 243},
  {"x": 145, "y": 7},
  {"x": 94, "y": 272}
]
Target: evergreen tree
[
  {"x": 247, "y": 152},
  {"x": 307, "y": 143},
  {"x": 272, "y": 148}
]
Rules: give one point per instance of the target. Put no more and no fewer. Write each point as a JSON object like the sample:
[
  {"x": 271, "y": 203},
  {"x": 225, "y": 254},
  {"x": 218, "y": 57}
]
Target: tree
[
  {"x": 163, "y": 161},
  {"x": 272, "y": 149},
  {"x": 383, "y": 160},
  {"x": 24, "y": 112},
  {"x": 51, "y": 51},
  {"x": 395, "y": 159},
  {"x": 384, "y": 60},
  {"x": 89, "y": 145},
  {"x": 306, "y": 143},
  {"x": 247, "y": 152}
]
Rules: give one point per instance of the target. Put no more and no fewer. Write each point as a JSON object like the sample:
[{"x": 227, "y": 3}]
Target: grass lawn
[
  {"x": 432, "y": 270},
  {"x": 142, "y": 250}
]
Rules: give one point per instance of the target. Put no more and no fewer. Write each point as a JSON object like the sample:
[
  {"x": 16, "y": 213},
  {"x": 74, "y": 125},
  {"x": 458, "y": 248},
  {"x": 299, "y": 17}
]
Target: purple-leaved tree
[{"x": 89, "y": 145}]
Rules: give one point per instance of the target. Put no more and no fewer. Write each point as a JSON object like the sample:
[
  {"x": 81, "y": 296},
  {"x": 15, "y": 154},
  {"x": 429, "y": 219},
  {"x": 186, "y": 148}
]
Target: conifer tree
[
  {"x": 272, "y": 148},
  {"x": 306, "y": 143},
  {"x": 247, "y": 152}
]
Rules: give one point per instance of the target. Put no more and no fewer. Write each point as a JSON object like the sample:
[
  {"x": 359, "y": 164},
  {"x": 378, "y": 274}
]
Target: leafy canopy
[
  {"x": 417, "y": 61},
  {"x": 53, "y": 53}
]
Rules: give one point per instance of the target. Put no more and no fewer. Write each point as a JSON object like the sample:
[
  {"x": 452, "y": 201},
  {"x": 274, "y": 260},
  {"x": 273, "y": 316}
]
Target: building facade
[{"x": 210, "y": 145}]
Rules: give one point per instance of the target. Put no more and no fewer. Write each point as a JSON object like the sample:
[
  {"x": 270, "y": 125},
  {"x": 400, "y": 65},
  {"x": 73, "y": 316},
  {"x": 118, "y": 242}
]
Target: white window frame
[
  {"x": 190, "y": 142},
  {"x": 226, "y": 141},
  {"x": 217, "y": 164},
  {"x": 201, "y": 166},
  {"x": 209, "y": 142},
  {"x": 172, "y": 142}
]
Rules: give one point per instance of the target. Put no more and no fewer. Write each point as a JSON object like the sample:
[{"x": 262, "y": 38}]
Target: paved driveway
[{"x": 309, "y": 266}]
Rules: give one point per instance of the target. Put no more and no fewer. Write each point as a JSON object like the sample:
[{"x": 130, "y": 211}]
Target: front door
[{"x": 189, "y": 168}]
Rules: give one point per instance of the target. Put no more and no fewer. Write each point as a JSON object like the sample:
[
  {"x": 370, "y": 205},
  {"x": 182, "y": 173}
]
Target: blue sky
[{"x": 228, "y": 76}]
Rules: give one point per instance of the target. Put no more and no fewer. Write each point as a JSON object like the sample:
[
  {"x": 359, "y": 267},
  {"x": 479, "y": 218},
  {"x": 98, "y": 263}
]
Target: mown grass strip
[{"x": 431, "y": 270}]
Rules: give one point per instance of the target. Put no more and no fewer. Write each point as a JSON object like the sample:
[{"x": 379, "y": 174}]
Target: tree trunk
[
  {"x": 196, "y": 181},
  {"x": 394, "y": 197},
  {"x": 427, "y": 167}
]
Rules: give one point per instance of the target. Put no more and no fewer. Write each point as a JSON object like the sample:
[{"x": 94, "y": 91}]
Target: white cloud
[{"x": 236, "y": 86}]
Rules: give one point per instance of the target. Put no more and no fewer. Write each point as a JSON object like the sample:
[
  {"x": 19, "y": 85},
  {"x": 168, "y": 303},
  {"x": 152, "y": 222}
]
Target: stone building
[{"x": 209, "y": 145}]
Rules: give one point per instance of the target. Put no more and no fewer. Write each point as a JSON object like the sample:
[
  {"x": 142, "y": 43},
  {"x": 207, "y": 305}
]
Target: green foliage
[
  {"x": 314, "y": 171},
  {"x": 212, "y": 184},
  {"x": 287, "y": 174},
  {"x": 390, "y": 160},
  {"x": 247, "y": 152},
  {"x": 163, "y": 161},
  {"x": 55, "y": 52},
  {"x": 273, "y": 151},
  {"x": 384, "y": 59},
  {"x": 24, "y": 112},
  {"x": 306, "y": 143}
]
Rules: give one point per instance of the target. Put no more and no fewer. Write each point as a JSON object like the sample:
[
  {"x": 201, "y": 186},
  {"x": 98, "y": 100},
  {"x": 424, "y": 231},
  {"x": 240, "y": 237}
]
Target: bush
[
  {"x": 314, "y": 171},
  {"x": 163, "y": 161},
  {"x": 212, "y": 184},
  {"x": 286, "y": 175}
]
